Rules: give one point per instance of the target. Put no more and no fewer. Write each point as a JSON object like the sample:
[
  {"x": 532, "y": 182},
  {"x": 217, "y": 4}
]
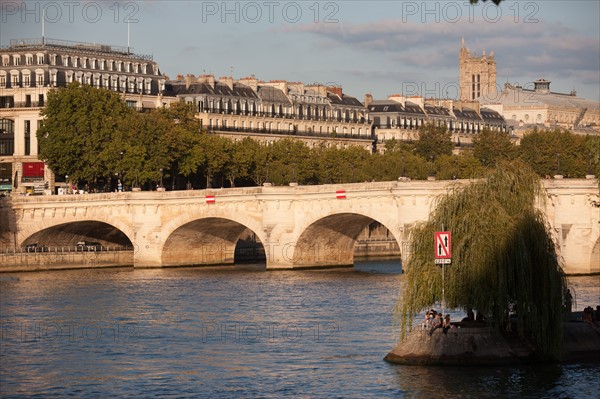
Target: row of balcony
[
  {"x": 284, "y": 115},
  {"x": 294, "y": 132}
]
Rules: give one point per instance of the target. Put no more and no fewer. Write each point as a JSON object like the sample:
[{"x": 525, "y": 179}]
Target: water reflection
[{"x": 233, "y": 332}]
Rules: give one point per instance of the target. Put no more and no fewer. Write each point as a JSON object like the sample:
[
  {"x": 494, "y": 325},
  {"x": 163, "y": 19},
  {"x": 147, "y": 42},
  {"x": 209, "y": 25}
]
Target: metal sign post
[{"x": 443, "y": 256}]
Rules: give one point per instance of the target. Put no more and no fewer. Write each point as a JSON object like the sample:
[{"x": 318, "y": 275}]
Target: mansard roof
[
  {"x": 413, "y": 108},
  {"x": 272, "y": 94},
  {"x": 491, "y": 116},
  {"x": 466, "y": 113},
  {"x": 437, "y": 111},
  {"x": 221, "y": 89},
  {"x": 344, "y": 100},
  {"x": 385, "y": 106}
]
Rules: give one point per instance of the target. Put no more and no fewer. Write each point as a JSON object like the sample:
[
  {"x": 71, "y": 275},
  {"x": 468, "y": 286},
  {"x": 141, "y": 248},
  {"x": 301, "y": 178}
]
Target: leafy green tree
[
  {"x": 78, "y": 133},
  {"x": 521, "y": 268},
  {"x": 557, "y": 151},
  {"x": 491, "y": 146},
  {"x": 217, "y": 154},
  {"x": 243, "y": 160},
  {"x": 290, "y": 161},
  {"x": 434, "y": 141}
]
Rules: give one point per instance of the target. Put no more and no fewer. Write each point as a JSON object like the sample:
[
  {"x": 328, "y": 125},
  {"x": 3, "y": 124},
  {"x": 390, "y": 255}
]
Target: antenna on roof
[
  {"x": 43, "y": 21},
  {"x": 128, "y": 34}
]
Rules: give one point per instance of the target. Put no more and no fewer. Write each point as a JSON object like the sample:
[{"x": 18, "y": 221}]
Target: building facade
[
  {"x": 268, "y": 111},
  {"x": 30, "y": 68},
  {"x": 540, "y": 107},
  {"x": 400, "y": 118}
]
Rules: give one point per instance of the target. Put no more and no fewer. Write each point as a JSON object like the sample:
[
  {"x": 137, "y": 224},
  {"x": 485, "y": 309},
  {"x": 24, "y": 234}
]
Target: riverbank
[{"x": 486, "y": 346}]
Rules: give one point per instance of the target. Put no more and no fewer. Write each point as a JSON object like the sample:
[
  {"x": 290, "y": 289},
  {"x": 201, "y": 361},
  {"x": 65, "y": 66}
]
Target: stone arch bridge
[{"x": 298, "y": 226}]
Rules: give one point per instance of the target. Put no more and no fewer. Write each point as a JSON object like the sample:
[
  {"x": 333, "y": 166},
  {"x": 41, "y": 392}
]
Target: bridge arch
[
  {"x": 329, "y": 240},
  {"x": 207, "y": 239},
  {"x": 70, "y": 232}
]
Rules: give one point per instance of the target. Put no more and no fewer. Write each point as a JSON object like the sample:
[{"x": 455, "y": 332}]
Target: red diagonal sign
[{"x": 442, "y": 245}]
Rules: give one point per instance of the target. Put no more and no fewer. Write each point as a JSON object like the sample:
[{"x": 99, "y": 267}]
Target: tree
[
  {"x": 80, "y": 129},
  {"x": 503, "y": 255},
  {"x": 434, "y": 141},
  {"x": 557, "y": 151},
  {"x": 243, "y": 160},
  {"x": 490, "y": 146}
]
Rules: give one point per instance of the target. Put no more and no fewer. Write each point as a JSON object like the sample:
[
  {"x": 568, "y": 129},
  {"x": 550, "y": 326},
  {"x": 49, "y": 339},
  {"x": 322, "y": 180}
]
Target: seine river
[{"x": 237, "y": 333}]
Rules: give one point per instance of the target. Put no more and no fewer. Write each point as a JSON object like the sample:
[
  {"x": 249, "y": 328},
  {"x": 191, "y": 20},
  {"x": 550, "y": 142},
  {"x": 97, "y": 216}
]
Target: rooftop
[{"x": 46, "y": 43}]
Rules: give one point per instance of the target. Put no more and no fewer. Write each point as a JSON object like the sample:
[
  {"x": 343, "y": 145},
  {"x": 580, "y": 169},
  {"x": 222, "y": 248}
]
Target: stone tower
[{"x": 477, "y": 74}]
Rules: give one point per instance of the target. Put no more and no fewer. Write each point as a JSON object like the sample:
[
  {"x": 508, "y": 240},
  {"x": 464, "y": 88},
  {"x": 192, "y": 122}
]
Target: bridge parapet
[{"x": 290, "y": 221}]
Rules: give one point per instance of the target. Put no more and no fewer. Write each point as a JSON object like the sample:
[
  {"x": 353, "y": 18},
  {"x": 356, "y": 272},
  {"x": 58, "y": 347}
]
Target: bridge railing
[{"x": 11, "y": 250}]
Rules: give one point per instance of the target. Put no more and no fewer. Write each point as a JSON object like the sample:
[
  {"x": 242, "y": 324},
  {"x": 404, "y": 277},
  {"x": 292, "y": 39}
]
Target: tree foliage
[
  {"x": 434, "y": 141},
  {"x": 491, "y": 146},
  {"x": 503, "y": 256},
  {"x": 90, "y": 134},
  {"x": 80, "y": 125},
  {"x": 551, "y": 152}
]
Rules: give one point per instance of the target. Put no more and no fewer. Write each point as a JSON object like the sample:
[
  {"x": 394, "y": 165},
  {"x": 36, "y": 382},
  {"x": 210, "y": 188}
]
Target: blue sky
[{"x": 381, "y": 47}]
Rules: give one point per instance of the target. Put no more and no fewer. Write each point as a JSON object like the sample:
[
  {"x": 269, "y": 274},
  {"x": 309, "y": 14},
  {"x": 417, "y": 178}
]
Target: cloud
[{"x": 520, "y": 49}]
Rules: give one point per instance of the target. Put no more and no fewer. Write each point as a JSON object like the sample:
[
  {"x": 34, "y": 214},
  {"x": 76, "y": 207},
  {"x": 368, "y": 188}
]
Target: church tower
[{"x": 477, "y": 74}]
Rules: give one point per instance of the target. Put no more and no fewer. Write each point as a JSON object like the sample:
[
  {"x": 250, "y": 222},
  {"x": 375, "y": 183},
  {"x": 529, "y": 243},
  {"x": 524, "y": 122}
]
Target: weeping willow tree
[{"x": 503, "y": 256}]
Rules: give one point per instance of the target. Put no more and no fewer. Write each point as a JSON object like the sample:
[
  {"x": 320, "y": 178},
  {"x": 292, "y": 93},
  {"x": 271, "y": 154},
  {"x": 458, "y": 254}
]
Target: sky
[{"x": 377, "y": 47}]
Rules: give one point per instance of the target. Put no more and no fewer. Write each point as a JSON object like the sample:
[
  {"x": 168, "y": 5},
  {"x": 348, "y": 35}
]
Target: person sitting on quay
[
  {"x": 427, "y": 322},
  {"x": 436, "y": 323},
  {"x": 446, "y": 326}
]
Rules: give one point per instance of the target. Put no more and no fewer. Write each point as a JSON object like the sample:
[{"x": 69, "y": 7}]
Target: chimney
[
  {"x": 399, "y": 98},
  {"x": 227, "y": 80},
  {"x": 335, "y": 90},
  {"x": 368, "y": 99},
  {"x": 207, "y": 78},
  {"x": 250, "y": 81},
  {"x": 188, "y": 80}
]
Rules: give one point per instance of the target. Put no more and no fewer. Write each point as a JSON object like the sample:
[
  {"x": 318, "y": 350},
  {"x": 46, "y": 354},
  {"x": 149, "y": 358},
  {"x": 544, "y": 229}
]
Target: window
[
  {"x": 2, "y": 81},
  {"x": 16, "y": 59},
  {"x": 15, "y": 82},
  {"x": 40, "y": 80},
  {"x": 7, "y": 136},
  {"x": 40, "y": 59},
  {"x": 27, "y": 137},
  {"x": 5, "y": 60},
  {"x": 26, "y": 81}
]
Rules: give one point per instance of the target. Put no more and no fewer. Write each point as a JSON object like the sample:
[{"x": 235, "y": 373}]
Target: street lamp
[
  {"x": 431, "y": 168},
  {"x": 120, "y": 175},
  {"x": 161, "y": 179},
  {"x": 402, "y": 166},
  {"x": 456, "y": 169},
  {"x": 558, "y": 163}
]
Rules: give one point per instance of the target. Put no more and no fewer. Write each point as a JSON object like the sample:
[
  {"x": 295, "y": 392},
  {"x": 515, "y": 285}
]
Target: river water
[{"x": 238, "y": 333}]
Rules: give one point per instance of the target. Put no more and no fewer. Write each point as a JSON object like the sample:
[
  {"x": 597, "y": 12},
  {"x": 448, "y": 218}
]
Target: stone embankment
[{"x": 486, "y": 346}]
